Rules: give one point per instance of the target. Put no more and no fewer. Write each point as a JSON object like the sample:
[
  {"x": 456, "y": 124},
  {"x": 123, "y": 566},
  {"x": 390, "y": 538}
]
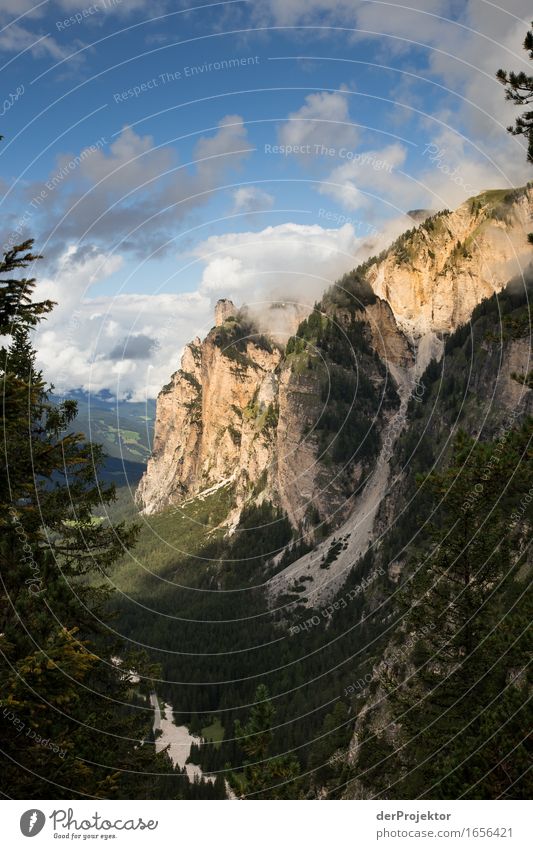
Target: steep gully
[{"x": 356, "y": 534}]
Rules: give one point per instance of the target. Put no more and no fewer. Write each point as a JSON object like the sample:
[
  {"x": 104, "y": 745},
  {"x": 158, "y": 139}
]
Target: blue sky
[{"x": 164, "y": 156}]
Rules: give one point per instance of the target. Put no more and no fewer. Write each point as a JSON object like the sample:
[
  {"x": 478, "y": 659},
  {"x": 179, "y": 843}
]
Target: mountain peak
[
  {"x": 435, "y": 274},
  {"x": 224, "y": 309}
]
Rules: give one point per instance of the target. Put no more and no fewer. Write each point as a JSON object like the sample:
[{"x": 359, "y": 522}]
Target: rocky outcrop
[
  {"x": 173, "y": 466},
  {"x": 224, "y": 310},
  {"x": 270, "y": 417},
  {"x": 212, "y": 422},
  {"x": 240, "y": 410},
  {"x": 303, "y": 484},
  {"x": 435, "y": 275}
]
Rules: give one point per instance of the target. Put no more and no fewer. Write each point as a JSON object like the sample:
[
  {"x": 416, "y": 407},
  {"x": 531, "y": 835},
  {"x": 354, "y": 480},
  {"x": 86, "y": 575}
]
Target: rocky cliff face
[
  {"x": 303, "y": 423},
  {"x": 215, "y": 418},
  {"x": 435, "y": 275},
  {"x": 241, "y": 411}
]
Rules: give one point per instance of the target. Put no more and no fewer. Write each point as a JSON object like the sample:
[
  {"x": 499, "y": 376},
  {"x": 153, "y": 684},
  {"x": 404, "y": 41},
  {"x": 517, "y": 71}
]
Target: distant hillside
[{"x": 123, "y": 428}]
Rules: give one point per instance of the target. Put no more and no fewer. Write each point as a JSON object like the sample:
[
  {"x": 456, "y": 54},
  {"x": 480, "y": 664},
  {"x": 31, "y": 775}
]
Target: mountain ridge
[{"x": 311, "y": 426}]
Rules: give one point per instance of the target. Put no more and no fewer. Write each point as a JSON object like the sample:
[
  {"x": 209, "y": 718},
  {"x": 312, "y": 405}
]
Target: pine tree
[
  {"x": 264, "y": 775},
  {"x": 459, "y": 699},
  {"x": 328, "y": 752},
  {"x": 519, "y": 89},
  {"x": 68, "y": 724},
  {"x": 17, "y": 308}
]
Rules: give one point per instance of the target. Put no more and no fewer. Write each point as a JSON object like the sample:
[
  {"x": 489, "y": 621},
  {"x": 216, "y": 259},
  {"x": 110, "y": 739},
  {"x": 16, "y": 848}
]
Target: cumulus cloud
[
  {"x": 324, "y": 119},
  {"x": 16, "y": 38},
  {"x": 251, "y": 199},
  {"x": 130, "y": 162},
  {"x": 26, "y": 23},
  {"x": 229, "y": 140},
  {"x": 460, "y": 46},
  {"x": 77, "y": 345},
  {"x": 370, "y": 178},
  {"x": 16, "y": 7},
  {"x": 31, "y": 9},
  {"x": 394, "y": 15},
  {"x": 291, "y": 12},
  {"x": 419, "y": 23},
  {"x": 287, "y": 262},
  {"x": 131, "y": 192},
  {"x": 119, "y": 8},
  {"x": 469, "y": 57},
  {"x": 449, "y": 170}
]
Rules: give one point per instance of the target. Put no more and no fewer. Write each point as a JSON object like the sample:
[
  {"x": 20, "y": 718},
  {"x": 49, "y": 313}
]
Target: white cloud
[
  {"x": 32, "y": 9},
  {"x": 291, "y": 12},
  {"x": 472, "y": 137},
  {"x": 324, "y": 119},
  {"x": 134, "y": 191},
  {"x": 370, "y": 179},
  {"x": 401, "y": 26},
  {"x": 131, "y": 161},
  {"x": 380, "y": 17},
  {"x": 77, "y": 344},
  {"x": 117, "y": 7},
  {"x": 75, "y": 273},
  {"x": 251, "y": 199},
  {"x": 16, "y": 7},
  {"x": 467, "y": 63},
  {"x": 228, "y": 141},
  {"x": 15, "y": 38},
  {"x": 20, "y": 35},
  {"x": 452, "y": 170},
  {"x": 464, "y": 44},
  {"x": 289, "y": 262}
]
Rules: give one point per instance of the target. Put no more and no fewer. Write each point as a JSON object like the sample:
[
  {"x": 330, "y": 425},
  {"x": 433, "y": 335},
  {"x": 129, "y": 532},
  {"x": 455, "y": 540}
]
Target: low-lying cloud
[{"x": 77, "y": 345}]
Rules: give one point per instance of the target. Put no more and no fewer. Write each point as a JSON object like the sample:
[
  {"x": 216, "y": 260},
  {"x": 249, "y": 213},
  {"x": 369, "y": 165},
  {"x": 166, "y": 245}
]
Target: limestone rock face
[
  {"x": 212, "y": 421},
  {"x": 433, "y": 277},
  {"x": 387, "y": 339},
  {"x": 172, "y": 469},
  {"x": 302, "y": 481},
  {"x": 238, "y": 410},
  {"x": 242, "y": 409},
  {"x": 224, "y": 309}
]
